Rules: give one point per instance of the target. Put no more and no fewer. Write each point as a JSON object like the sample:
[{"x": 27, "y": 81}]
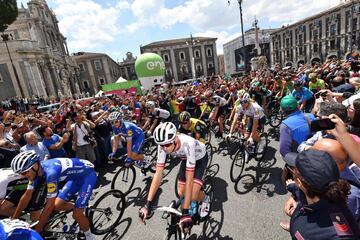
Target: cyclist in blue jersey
[
  {"x": 14, "y": 229},
  {"x": 79, "y": 177},
  {"x": 134, "y": 140},
  {"x": 304, "y": 96}
]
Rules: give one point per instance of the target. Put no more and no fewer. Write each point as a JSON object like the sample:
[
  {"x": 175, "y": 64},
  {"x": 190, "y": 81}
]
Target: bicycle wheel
[
  {"x": 209, "y": 151},
  {"x": 237, "y": 165},
  {"x": 173, "y": 232},
  {"x": 276, "y": 115},
  {"x": 106, "y": 212},
  {"x": 152, "y": 165},
  {"x": 176, "y": 185},
  {"x": 261, "y": 146},
  {"x": 207, "y": 136},
  {"x": 124, "y": 179}
]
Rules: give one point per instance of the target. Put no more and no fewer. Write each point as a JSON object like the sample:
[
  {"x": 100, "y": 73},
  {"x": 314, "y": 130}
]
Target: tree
[{"x": 8, "y": 13}]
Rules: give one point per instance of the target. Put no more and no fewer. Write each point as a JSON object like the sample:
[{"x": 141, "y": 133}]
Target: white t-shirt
[
  {"x": 80, "y": 133},
  {"x": 190, "y": 151}
]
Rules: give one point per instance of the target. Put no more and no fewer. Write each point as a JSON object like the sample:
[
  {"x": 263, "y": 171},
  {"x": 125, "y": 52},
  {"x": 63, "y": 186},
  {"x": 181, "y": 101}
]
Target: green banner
[{"x": 123, "y": 85}]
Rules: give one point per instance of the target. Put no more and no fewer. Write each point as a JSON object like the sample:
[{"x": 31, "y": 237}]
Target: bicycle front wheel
[
  {"x": 124, "y": 179},
  {"x": 106, "y": 212},
  {"x": 237, "y": 165}
]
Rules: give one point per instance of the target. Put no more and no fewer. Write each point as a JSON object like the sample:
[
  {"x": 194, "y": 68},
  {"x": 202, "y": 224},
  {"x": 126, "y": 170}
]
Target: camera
[
  {"x": 89, "y": 139},
  {"x": 322, "y": 125}
]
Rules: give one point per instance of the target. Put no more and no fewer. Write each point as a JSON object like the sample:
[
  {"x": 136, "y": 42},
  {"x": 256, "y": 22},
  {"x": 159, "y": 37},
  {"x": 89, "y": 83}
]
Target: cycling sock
[{"x": 89, "y": 235}]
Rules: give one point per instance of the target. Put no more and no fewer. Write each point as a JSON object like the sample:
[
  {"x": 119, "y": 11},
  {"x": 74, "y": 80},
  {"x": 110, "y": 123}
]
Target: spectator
[
  {"x": 324, "y": 215},
  {"x": 354, "y": 116},
  {"x": 295, "y": 128},
  {"x": 54, "y": 142},
  {"x": 33, "y": 144}
]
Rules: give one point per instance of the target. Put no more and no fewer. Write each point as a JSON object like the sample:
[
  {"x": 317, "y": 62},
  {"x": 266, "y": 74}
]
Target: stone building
[
  {"x": 127, "y": 67},
  {"x": 96, "y": 69},
  {"x": 40, "y": 56},
  {"x": 221, "y": 64},
  {"x": 235, "y": 54},
  {"x": 186, "y": 58},
  {"x": 331, "y": 33}
]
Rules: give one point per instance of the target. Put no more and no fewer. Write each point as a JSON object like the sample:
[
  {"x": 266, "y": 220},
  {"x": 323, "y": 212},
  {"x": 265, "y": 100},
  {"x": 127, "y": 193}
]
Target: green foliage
[{"x": 8, "y": 13}]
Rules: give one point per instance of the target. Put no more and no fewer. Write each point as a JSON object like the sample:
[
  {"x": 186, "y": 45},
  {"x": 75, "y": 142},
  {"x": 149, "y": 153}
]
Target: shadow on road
[
  {"x": 120, "y": 231},
  {"x": 274, "y": 133}
]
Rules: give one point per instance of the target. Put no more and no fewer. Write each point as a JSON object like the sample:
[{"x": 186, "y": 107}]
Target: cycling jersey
[
  {"x": 254, "y": 111},
  {"x": 303, "y": 95},
  {"x": 79, "y": 175},
  {"x": 191, "y": 150},
  {"x": 10, "y": 181},
  {"x": 217, "y": 101},
  {"x": 132, "y": 132},
  {"x": 197, "y": 126},
  {"x": 159, "y": 114},
  {"x": 14, "y": 229}
]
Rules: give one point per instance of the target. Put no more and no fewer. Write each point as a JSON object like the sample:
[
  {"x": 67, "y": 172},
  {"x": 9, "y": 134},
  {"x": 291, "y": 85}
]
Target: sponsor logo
[
  {"x": 129, "y": 133},
  {"x": 152, "y": 65},
  {"x": 51, "y": 187}
]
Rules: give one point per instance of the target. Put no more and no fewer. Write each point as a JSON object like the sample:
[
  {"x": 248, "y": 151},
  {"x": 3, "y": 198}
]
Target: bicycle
[
  {"x": 124, "y": 178},
  {"x": 172, "y": 211},
  {"x": 275, "y": 113},
  {"x": 243, "y": 155},
  {"x": 96, "y": 214}
]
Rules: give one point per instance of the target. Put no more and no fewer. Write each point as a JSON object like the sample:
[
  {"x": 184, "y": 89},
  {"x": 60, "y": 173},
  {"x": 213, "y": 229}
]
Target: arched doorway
[
  {"x": 289, "y": 64},
  {"x": 300, "y": 63},
  {"x": 315, "y": 60}
]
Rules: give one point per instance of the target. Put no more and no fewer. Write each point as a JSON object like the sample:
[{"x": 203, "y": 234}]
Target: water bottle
[
  {"x": 193, "y": 208},
  {"x": 66, "y": 228}
]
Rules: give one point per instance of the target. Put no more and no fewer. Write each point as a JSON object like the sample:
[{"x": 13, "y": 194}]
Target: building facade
[
  {"x": 235, "y": 54},
  {"x": 41, "y": 62},
  {"x": 127, "y": 67},
  {"x": 331, "y": 33},
  {"x": 187, "y": 57},
  {"x": 96, "y": 69},
  {"x": 221, "y": 64}
]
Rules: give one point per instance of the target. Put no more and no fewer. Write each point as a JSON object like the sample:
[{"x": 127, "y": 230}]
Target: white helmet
[
  {"x": 115, "y": 116},
  {"x": 149, "y": 104},
  {"x": 245, "y": 98},
  {"x": 24, "y": 161},
  {"x": 165, "y": 133}
]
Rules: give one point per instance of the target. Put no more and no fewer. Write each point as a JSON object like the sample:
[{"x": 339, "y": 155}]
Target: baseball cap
[
  {"x": 317, "y": 168},
  {"x": 288, "y": 103}
]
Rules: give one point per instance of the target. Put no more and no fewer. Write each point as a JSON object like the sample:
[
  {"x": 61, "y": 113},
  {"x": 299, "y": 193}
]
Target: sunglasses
[
  {"x": 167, "y": 145},
  {"x": 185, "y": 122}
]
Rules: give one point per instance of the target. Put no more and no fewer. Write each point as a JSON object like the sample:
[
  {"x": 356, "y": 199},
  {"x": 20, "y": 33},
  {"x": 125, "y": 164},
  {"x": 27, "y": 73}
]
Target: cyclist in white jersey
[
  {"x": 155, "y": 116},
  {"x": 194, "y": 161},
  {"x": 255, "y": 118}
]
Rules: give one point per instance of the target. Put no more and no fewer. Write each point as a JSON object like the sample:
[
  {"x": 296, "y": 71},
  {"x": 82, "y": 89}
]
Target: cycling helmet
[
  {"x": 184, "y": 117},
  {"x": 241, "y": 92},
  {"x": 24, "y": 161},
  {"x": 149, "y": 104},
  {"x": 115, "y": 116},
  {"x": 165, "y": 133},
  {"x": 245, "y": 98}
]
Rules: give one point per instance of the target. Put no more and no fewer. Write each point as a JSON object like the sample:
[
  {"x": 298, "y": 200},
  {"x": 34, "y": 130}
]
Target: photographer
[{"x": 83, "y": 142}]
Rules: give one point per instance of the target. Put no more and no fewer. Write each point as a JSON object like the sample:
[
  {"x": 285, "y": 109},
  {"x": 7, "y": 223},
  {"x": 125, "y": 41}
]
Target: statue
[
  {"x": 64, "y": 74},
  {"x": 77, "y": 88},
  {"x": 61, "y": 96}
]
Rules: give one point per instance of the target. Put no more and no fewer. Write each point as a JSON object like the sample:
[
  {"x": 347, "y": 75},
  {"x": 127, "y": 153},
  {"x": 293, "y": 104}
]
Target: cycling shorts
[
  {"x": 200, "y": 168},
  {"x": 221, "y": 112},
  {"x": 83, "y": 186},
  {"x": 260, "y": 127}
]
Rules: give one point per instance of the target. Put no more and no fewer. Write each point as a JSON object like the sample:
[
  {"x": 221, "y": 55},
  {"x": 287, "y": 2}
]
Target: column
[
  {"x": 107, "y": 71},
  {"x": 92, "y": 76},
  {"x": 203, "y": 58},
  {"x": 216, "y": 60},
  {"x": 192, "y": 61},
  {"x": 55, "y": 78},
  {"x": 173, "y": 64}
]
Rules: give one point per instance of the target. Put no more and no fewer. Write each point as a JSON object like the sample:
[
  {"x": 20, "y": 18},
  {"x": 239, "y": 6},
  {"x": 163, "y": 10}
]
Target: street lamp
[
  {"x": 242, "y": 29},
  {"x": 192, "y": 42}
]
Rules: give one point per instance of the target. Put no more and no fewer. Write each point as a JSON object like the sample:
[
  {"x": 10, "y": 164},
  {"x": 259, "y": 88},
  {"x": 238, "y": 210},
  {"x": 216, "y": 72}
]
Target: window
[
  {"x": 102, "y": 81},
  {"x": 210, "y": 65},
  {"x": 1, "y": 78},
  {"x": 209, "y": 52},
  {"x": 86, "y": 85},
  {"x": 166, "y": 57},
  {"x": 97, "y": 65},
  {"x": 332, "y": 44},
  {"x": 182, "y": 55},
  {"x": 197, "y": 54},
  {"x": 198, "y": 67},
  {"x": 168, "y": 72},
  {"x": 81, "y": 66},
  {"x": 315, "y": 48},
  {"x": 333, "y": 30},
  {"x": 301, "y": 51}
]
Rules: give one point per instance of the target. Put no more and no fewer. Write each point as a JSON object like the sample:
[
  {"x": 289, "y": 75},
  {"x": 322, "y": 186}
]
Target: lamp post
[
  {"x": 5, "y": 38},
  {"x": 242, "y": 31},
  {"x": 192, "y": 42}
]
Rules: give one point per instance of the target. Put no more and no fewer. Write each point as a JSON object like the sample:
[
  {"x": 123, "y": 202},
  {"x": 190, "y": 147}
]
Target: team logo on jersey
[
  {"x": 129, "y": 133},
  {"x": 51, "y": 187}
]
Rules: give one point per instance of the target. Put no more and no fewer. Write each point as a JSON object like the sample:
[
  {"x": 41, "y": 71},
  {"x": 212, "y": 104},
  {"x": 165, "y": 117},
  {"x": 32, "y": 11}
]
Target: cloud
[
  {"x": 222, "y": 38},
  {"x": 88, "y": 24},
  {"x": 123, "y": 5}
]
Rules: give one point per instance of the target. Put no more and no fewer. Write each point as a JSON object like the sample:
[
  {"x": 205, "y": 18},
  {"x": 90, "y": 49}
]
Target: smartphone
[{"x": 322, "y": 125}]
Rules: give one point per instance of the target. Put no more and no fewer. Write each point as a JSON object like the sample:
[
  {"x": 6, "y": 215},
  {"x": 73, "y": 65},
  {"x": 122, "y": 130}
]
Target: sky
[{"x": 115, "y": 27}]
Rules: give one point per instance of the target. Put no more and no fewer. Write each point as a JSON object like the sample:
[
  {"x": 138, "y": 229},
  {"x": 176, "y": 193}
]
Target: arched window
[
  {"x": 197, "y": 53},
  {"x": 86, "y": 84},
  {"x": 182, "y": 55},
  {"x": 209, "y": 52},
  {"x": 166, "y": 58}
]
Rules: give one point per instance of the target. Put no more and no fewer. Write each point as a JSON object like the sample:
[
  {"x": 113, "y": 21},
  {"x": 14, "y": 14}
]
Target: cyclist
[
  {"x": 218, "y": 105},
  {"x": 194, "y": 160},
  {"x": 192, "y": 126},
  {"x": 14, "y": 229},
  {"x": 304, "y": 96},
  {"x": 255, "y": 118},
  {"x": 155, "y": 116},
  {"x": 80, "y": 178},
  {"x": 12, "y": 187},
  {"x": 134, "y": 140}
]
